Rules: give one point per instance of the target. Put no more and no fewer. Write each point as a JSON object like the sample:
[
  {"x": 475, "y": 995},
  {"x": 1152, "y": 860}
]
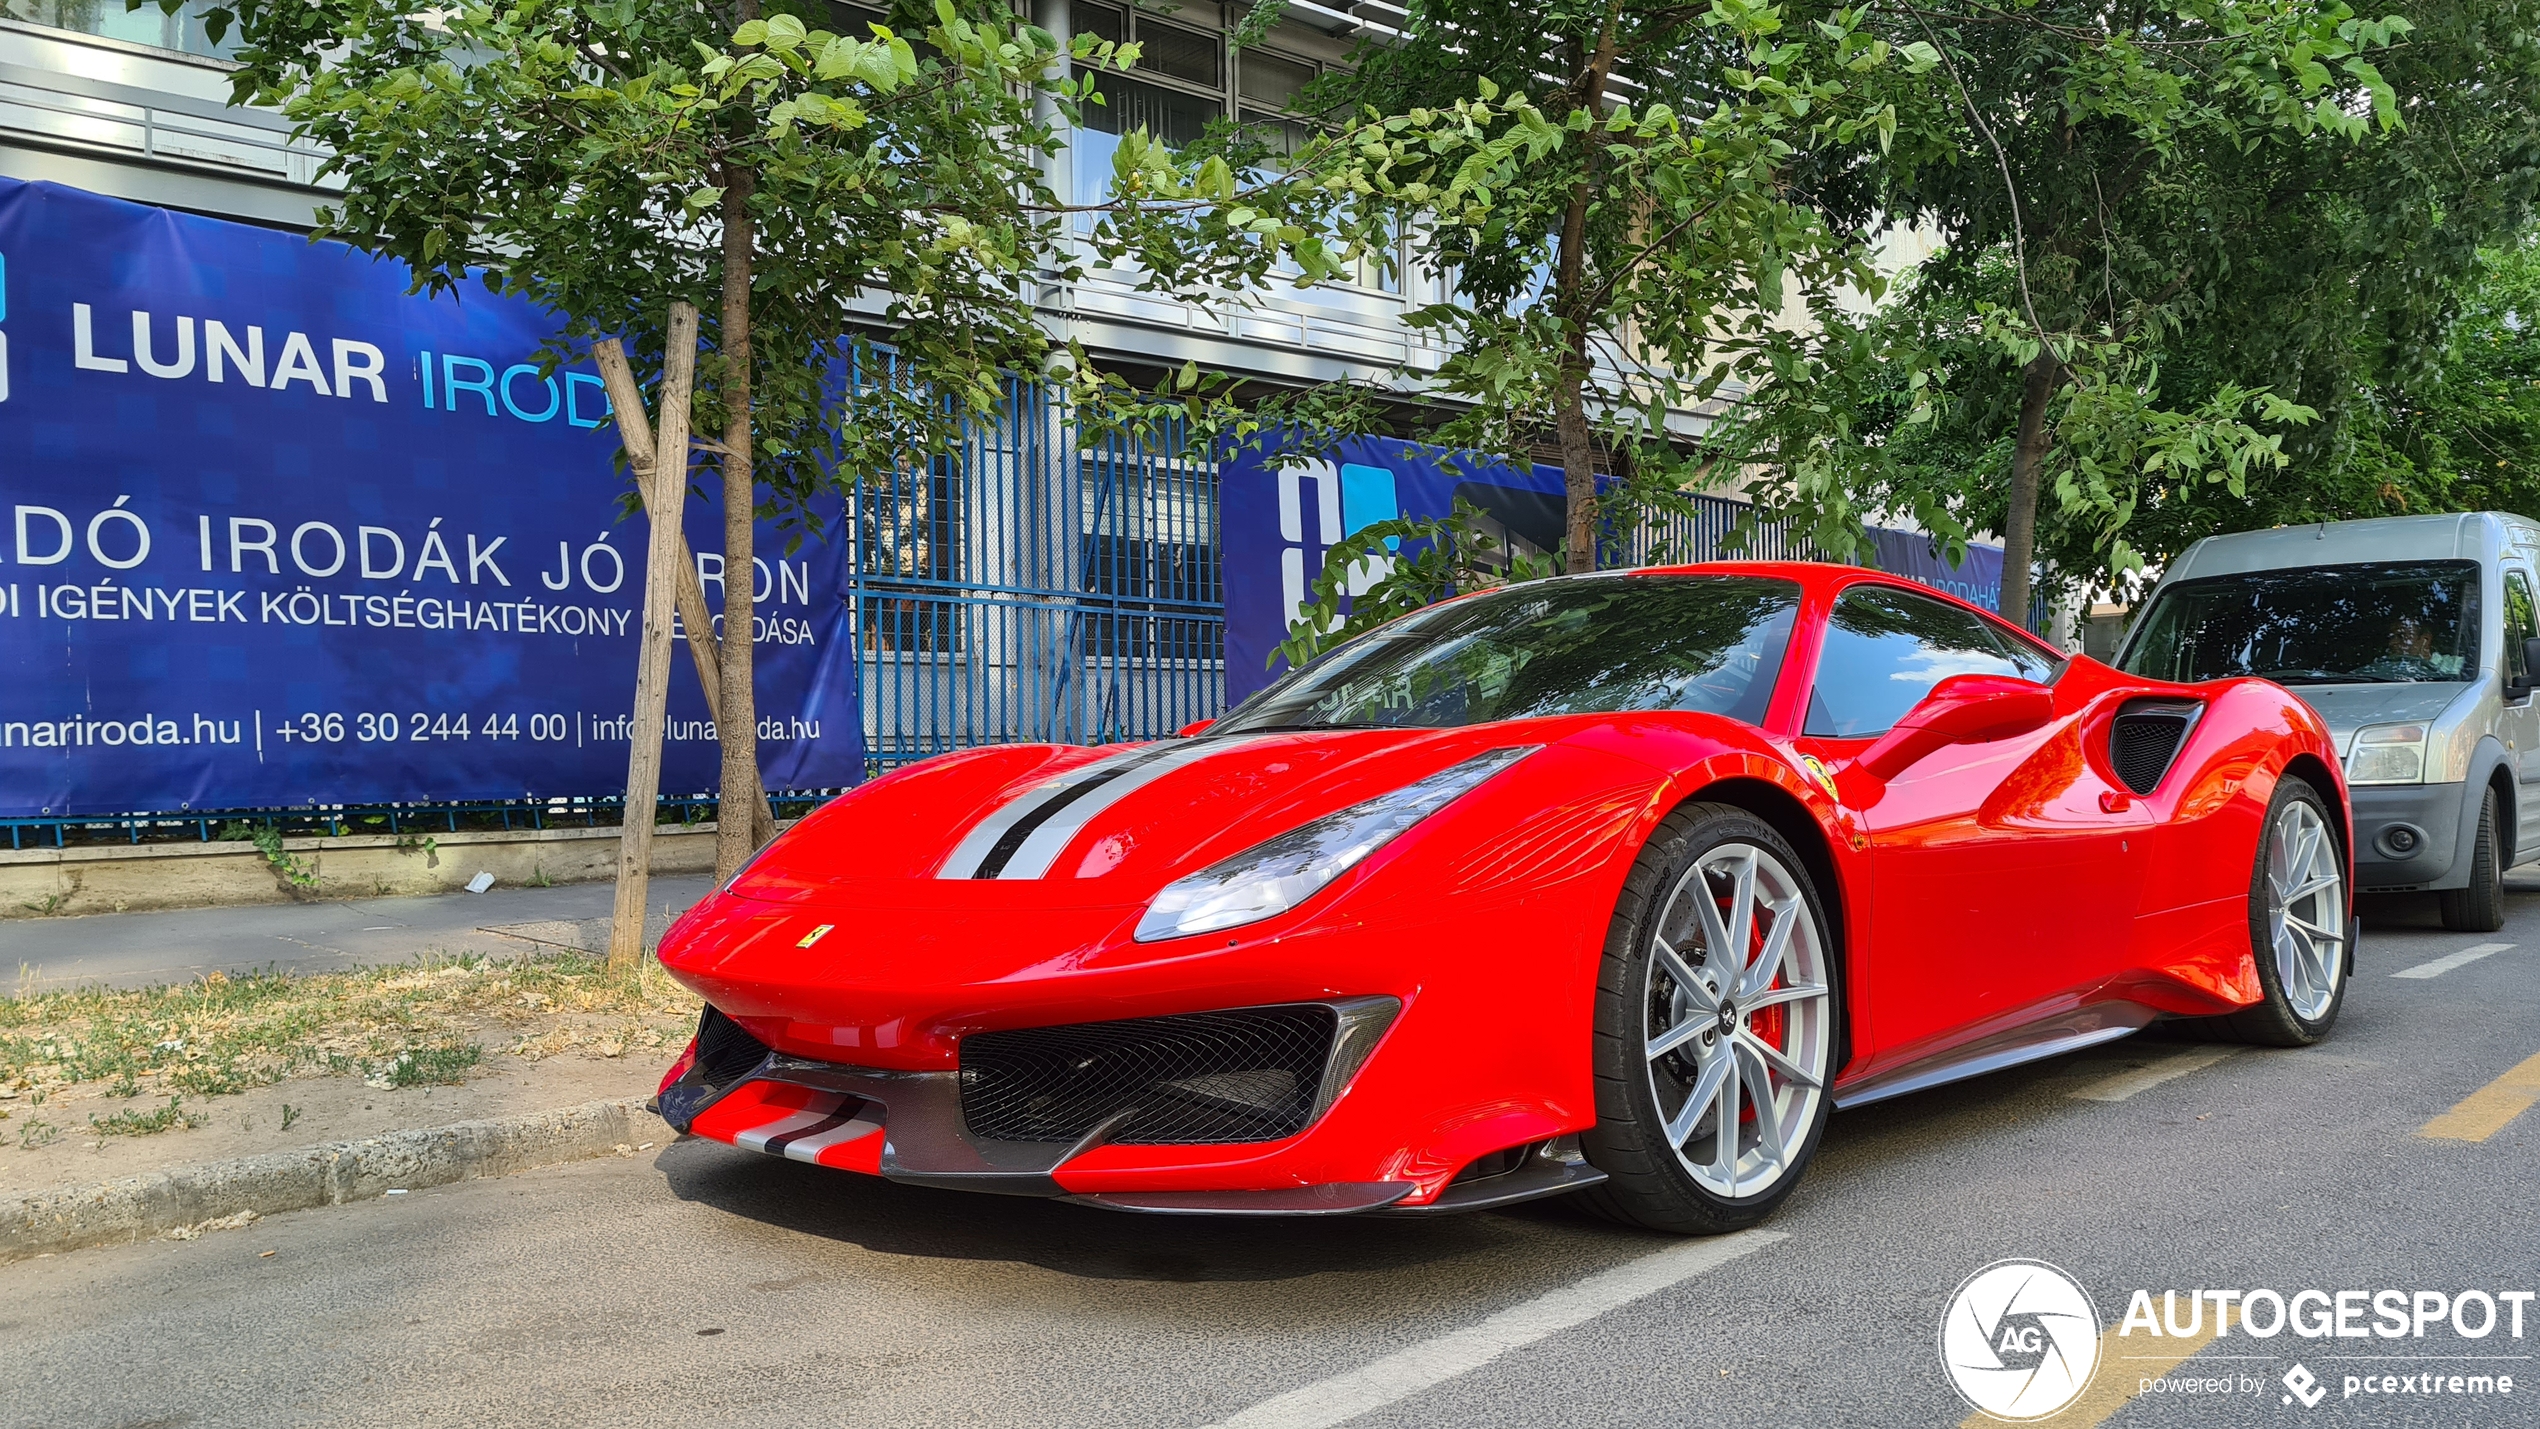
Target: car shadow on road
[{"x": 1086, "y": 1241}]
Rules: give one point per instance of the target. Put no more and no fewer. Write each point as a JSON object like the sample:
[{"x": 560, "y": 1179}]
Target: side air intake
[
  {"x": 725, "y": 1052},
  {"x": 2146, "y": 737}
]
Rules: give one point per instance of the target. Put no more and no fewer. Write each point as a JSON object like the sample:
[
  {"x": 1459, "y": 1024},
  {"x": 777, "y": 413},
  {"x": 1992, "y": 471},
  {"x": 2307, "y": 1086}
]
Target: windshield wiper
[
  {"x": 1309, "y": 728},
  {"x": 2330, "y": 677}
]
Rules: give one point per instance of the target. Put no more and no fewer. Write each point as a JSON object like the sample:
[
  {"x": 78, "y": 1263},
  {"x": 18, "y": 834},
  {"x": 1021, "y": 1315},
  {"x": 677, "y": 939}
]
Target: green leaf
[
  {"x": 783, "y": 31},
  {"x": 752, "y": 32}
]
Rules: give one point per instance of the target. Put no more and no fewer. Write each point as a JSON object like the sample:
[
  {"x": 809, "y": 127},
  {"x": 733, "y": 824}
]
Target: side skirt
[{"x": 2053, "y": 1036}]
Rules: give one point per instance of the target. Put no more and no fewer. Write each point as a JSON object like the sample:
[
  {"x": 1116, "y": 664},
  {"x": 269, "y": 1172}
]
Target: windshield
[
  {"x": 2316, "y": 625},
  {"x": 1708, "y": 643}
]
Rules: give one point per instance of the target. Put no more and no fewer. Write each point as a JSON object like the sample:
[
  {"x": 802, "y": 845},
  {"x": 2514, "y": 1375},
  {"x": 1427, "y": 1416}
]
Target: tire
[
  {"x": 2304, "y": 943},
  {"x": 1661, "y": 984},
  {"x": 2480, "y": 907}
]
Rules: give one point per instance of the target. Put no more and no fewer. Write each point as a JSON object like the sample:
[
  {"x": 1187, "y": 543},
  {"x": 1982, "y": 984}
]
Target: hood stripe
[
  {"x": 1022, "y": 839},
  {"x": 983, "y": 836},
  {"x": 1012, "y": 839},
  {"x": 1042, "y": 845}
]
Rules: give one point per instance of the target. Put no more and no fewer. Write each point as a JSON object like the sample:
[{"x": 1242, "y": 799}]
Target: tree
[
  {"x": 1605, "y": 180},
  {"x": 2167, "y": 229},
  {"x": 2466, "y": 436},
  {"x": 831, "y": 202}
]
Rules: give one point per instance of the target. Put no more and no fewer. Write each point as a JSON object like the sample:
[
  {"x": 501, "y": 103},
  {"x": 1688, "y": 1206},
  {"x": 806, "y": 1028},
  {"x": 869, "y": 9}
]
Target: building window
[
  {"x": 1169, "y": 114},
  {"x": 183, "y": 31},
  {"x": 1176, "y": 53}
]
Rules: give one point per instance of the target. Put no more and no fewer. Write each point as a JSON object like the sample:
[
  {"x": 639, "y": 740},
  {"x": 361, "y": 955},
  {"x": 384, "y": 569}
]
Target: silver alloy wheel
[
  {"x": 2306, "y": 909},
  {"x": 1735, "y": 945}
]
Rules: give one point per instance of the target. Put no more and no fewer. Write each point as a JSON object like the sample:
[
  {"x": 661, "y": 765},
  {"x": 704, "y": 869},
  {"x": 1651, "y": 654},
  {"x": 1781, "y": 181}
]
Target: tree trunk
[
  {"x": 735, "y": 839},
  {"x": 705, "y": 653},
  {"x": 652, "y": 660},
  {"x": 2028, "y": 458},
  {"x": 1569, "y": 282}
]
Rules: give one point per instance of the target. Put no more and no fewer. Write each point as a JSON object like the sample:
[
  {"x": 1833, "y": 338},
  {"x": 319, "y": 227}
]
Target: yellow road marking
[
  {"x": 2125, "y": 1362},
  {"x": 2488, "y": 1110}
]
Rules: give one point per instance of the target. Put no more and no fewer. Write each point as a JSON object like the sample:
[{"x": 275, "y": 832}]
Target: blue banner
[
  {"x": 280, "y": 533},
  {"x": 1277, "y": 524}
]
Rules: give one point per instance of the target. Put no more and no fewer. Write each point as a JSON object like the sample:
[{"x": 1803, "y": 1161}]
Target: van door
[{"x": 2519, "y": 722}]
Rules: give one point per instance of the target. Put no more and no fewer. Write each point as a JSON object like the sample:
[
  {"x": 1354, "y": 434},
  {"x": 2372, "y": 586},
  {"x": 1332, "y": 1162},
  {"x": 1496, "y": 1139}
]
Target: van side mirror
[
  {"x": 2530, "y": 668},
  {"x": 1963, "y": 709}
]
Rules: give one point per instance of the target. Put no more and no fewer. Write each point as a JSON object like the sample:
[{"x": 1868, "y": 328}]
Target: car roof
[{"x": 2474, "y": 535}]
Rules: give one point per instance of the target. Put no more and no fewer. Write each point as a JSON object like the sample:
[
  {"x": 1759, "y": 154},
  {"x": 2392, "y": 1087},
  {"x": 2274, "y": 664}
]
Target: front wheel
[
  {"x": 2297, "y": 924},
  {"x": 2480, "y": 907},
  {"x": 1718, "y": 1016}
]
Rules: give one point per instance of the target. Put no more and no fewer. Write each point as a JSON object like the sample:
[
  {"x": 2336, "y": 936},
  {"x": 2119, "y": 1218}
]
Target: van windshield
[{"x": 2315, "y": 625}]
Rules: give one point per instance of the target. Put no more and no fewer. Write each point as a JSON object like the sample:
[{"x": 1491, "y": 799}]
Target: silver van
[{"x": 2415, "y": 639}]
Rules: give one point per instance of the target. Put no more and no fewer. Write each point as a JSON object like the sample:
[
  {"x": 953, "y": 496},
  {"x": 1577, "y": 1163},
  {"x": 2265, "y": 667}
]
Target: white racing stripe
[
  {"x": 2126, "y": 1084},
  {"x": 808, "y": 1148},
  {"x": 983, "y": 836},
  {"x": 2449, "y": 961},
  {"x": 1033, "y": 858},
  {"x": 1432, "y": 1362},
  {"x": 757, "y": 1137}
]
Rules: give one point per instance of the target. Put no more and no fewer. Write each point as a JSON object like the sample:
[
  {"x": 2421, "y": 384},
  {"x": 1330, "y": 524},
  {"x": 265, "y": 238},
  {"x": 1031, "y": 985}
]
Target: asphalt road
[{"x": 697, "y": 1285}]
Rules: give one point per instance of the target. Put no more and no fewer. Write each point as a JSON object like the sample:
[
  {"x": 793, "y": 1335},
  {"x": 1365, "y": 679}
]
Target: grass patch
[
  {"x": 442, "y": 1064},
  {"x": 421, "y": 1023},
  {"x": 132, "y": 1121}
]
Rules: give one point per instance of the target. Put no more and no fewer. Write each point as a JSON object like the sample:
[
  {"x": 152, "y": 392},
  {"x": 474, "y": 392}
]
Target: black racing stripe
[
  {"x": 776, "y": 1144},
  {"x": 1007, "y": 846}
]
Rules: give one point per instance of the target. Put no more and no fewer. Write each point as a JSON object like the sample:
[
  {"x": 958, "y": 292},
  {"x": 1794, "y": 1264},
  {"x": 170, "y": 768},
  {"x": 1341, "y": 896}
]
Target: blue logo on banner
[{"x": 279, "y": 533}]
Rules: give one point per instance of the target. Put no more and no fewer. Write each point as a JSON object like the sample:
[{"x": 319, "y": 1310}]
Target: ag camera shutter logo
[{"x": 2020, "y": 1340}]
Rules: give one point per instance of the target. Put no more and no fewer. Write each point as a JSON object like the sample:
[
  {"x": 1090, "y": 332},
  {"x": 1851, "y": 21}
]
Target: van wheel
[{"x": 2479, "y": 908}]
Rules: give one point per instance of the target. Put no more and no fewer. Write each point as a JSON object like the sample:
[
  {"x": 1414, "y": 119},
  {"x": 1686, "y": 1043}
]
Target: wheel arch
[
  {"x": 2314, "y": 771},
  {"x": 1791, "y": 818}
]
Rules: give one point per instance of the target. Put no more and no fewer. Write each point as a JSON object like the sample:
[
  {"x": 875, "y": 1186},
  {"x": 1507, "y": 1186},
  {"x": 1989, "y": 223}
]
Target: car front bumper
[{"x": 2432, "y": 811}]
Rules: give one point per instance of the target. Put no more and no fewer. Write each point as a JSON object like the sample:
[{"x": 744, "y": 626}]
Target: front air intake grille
[
  {"x": 725, "y": 1052},
  {"x": 1252, "y": 1074},
  {"x": 2145, "y": 738}
]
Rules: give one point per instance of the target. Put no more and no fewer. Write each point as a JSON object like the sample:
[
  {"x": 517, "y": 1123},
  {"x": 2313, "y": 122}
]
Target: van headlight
[
  {"x": 1277, "y": 874},
  {"x": 2387, "y": 754}
]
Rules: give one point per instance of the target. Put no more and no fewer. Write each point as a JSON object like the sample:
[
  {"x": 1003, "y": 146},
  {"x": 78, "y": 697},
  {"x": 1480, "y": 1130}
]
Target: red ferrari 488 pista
[{"x": 1615, "y": 884}]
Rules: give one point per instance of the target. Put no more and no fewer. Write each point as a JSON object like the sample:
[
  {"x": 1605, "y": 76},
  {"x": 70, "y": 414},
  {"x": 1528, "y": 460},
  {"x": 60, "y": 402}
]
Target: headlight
[
  {"x": 1276, "y": 875},
  {"x": 2387, "y": 754}
]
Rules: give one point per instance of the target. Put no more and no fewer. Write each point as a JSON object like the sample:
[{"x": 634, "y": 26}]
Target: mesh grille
[
  {"x": 724, "y": 1051},
  {"x": 1246, "y": 1075},
  {"x": 2143, "y": 741}
]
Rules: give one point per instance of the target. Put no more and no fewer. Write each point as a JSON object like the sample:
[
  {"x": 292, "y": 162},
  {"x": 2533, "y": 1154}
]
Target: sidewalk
[{"x": 139, "y": 949}]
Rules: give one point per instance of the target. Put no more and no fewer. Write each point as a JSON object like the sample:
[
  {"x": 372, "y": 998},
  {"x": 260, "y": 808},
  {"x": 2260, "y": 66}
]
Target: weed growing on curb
[
  {"x": 440, "y": 1064},
  {"x": 37, "y": 1132},
  {"x": 290, "y": 1114},
  {"x": 132, "y": 1121}
]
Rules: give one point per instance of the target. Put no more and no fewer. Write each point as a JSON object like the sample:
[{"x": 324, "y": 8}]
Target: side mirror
[
  {"x": 1197, "y": 726},
  {"x": 1963, "y": 709},
  {"x": 2530, "y": 668}
]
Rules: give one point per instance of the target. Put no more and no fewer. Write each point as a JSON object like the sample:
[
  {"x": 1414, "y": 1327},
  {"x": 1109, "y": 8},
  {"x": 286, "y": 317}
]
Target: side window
[
  {"x": 2519, "y": 626},
  {"x": 1885, "y": 648}
]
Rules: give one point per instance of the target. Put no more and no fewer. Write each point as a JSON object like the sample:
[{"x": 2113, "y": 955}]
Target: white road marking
[
  {"x": 2449, "y": 961},
  {"x": 1432, "y": 1362},
  {"x": 2126, "y": 1084}
]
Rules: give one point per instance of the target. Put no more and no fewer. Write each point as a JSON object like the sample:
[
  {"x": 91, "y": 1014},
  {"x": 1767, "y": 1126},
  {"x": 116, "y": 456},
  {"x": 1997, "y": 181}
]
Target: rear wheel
[
  {"x": 1718, "y": 1016},
  {"x": 2297, "y": 925},
  {"x": 2480, "y": 907}
]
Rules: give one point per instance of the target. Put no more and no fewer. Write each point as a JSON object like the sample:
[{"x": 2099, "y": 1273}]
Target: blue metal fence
[
  {"x": 1015, "y": 589},
  {"x": 1022, "y": 589}
]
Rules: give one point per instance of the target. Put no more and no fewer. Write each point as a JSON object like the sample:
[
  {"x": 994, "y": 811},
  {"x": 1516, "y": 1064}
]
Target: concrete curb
[{"x": 137, "y": 1207}]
